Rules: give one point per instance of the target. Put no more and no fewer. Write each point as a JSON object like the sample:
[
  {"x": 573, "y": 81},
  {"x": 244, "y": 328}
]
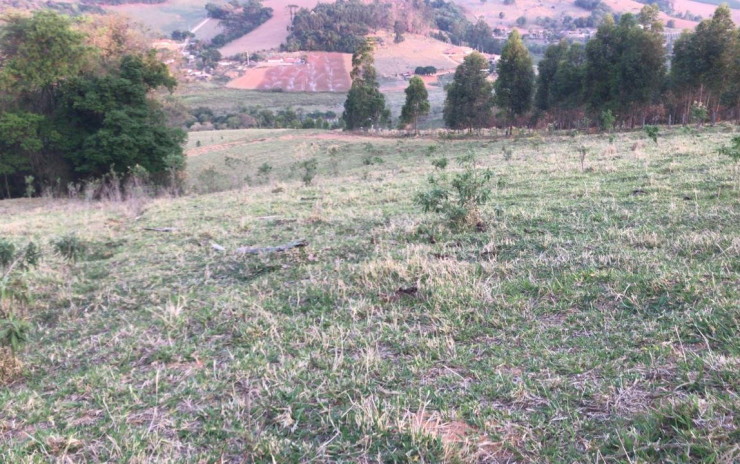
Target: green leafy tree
[
  {"x": 109, "y": 123},
  {"x": 469, "y": 102},
  {"x": 547, "y": 68},
  {"x": 625, "y": 64},
  {"x": 417, "y": 103},
  {"x": 38, "y": 52},
  {"x": 365, "y": 105},
  {"x": 19, "y": 138},
  {"x": 514, "y": 87},
  {"x": 71, "y": 110},
  {"x": 705, "y": 63}
]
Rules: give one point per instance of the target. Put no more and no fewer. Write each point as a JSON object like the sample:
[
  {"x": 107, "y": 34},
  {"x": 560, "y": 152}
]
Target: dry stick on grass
[
  {"x": 161, "y": 229},
  {"x": 283, "y": 247}
]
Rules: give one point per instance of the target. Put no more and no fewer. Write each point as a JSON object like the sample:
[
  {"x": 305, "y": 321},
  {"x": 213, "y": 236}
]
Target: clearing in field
[
  {"x": 272, "y": 33},
  {"x": 416, "y": 50},
  {"x": 319, "y": 72},
  {"x": 164, "y": 17}
]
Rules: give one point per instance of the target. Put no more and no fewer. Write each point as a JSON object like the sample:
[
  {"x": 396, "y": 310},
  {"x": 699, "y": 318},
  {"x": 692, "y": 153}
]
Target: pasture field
[
  {"x": 163, "y": 18},
  {"x": 592, "y": 316},
  {"x": 224, "y": 99}
]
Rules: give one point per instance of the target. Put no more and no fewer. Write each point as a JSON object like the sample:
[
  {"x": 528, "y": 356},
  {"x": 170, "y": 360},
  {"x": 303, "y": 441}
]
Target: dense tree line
[
  {"x": 237, "y": 19},
  {"x": 454, "y": 27},
  {"x": 619, "y": 77},
  {"x": 342, "y": 26},
  {"x": 74, "y": 104},
  {"x": 337, "y": 27},
  {"x": 622, "y": 71},
  {"x": 204, "y": 118}
]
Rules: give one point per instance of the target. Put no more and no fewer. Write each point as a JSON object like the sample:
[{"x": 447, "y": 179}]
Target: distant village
[{"x": 189, "y": 67}]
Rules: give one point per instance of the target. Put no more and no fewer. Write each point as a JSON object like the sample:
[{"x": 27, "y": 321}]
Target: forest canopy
[{"x": 74, "y": 104}]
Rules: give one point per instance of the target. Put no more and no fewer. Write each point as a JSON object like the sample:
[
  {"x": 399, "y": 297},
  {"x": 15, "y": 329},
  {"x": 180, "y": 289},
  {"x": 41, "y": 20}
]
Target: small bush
[
  {"x": 652, "y": 133},
  {"x": 7, "y": 253},
  {"x": 440, "y": 163},
  {"x": 733, "y": 150},
  {"x": 606, "y": 120},
  {"x": 69, "y": 247},
  {"x": 458, "y": 197},
  {"x": 9, "y": 259},
  {"x": 507, "y": 153},
  {"x": 13, "y": 333},
  {"x": 309, "y": 170},
  {"x": 264, "y": 170},
  {"x": 370, "y": 160}
]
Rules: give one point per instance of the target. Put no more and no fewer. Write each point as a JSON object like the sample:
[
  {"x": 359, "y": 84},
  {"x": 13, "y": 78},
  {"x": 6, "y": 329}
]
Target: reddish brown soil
[{"x": 322, "y": 72}]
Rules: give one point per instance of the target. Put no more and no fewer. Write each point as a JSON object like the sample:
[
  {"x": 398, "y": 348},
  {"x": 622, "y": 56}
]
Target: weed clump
[
  {"x": 652, "y": 133},
  {"x": 309, "y": 170},
  {"x": 458, "y": 197},
  {"x": 13, "y": 292},
  {"x": 733, "y": 151},
  {"x": 69, "y": 247}
]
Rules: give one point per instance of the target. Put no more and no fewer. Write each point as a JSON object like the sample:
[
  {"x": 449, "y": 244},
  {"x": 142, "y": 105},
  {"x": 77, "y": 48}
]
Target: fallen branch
[
  {"x": 161, "y": 229},
  {"x": 275, "y": 249}
]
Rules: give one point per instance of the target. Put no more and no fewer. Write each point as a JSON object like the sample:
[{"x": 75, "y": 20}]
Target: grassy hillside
[{"x": 593, "y": 319}]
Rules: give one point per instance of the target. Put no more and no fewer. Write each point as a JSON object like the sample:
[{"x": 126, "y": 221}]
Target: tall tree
[
  {"x": 547, "y": 68},
  {"x": 514, "y": 86},
  {"x": 365, "y": 105},
  {"x": 19, "y": 138},
  {"x": 703, "y": 61},
  {"x": 641, "y": 69},
  {"x": 109, "y": 123},
  {"x": 36, "y": 54},
  {"x": 70, "y": 109},
  {"x": 417, "y": 103},
  {"x": 601, "y": 58},
  {"x": 469, "y": 102},
  {"x": 625, "y": 65}
]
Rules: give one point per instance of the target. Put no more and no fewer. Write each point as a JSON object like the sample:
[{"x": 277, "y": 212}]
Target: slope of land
[
  {"x": 593, "y": 319},
  {"x": 270, "y": 34}
]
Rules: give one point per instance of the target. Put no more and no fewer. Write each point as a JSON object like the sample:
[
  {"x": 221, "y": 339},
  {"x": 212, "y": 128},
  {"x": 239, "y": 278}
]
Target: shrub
[
  {"x": 698, "y": 113},
  {"x": 309, "y": 170},
  {"x": 652, "y": 133},
  {"x": 69, "y": 247},
  {"x": 13, "y": 290},
  {"x": 606, "y": 120},
  {"x": 13, "y": 333},
  {"x": 733, "y": 150},
  {"x": 10, "y": 260},
  {"x": 458, "y": 197},
  {"x": 440, "y": 163},
  {"x": 370, "y": 160}
]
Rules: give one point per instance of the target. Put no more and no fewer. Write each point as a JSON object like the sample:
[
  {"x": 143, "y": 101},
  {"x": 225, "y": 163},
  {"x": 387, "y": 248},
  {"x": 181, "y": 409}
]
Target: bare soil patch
[
  {"x": 321, "y": 72},
  {"x": 269, "y": 35}
]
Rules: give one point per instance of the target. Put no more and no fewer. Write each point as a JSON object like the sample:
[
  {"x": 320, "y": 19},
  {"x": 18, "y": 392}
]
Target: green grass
[
  {"x": 222, "y": 99},
  {"x": 165, "y": 17},
  {"x": 595, "y": 320}
]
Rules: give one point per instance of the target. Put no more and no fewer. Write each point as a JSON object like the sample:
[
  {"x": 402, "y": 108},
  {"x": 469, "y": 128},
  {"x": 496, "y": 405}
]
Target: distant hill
[{"x": 535, "y": 16}]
